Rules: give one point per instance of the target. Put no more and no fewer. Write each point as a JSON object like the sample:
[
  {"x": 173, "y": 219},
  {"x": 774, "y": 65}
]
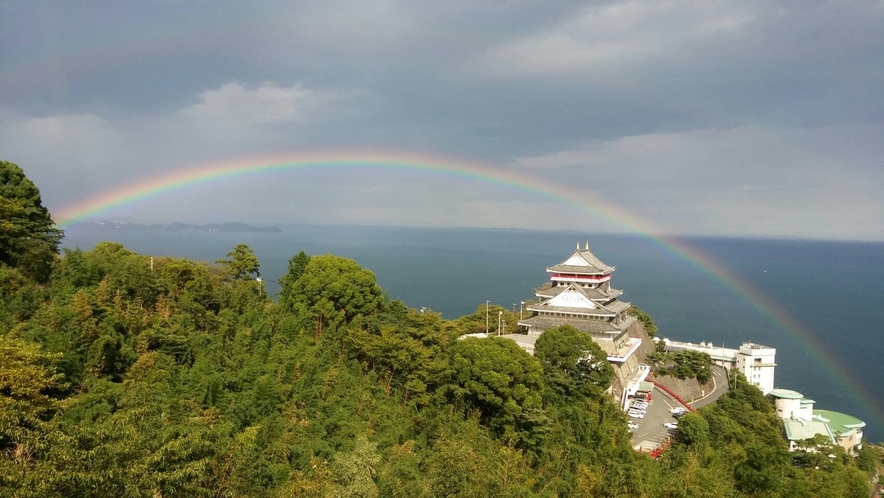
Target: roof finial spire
[
  {"x": 578, "y": 246},
  {"x": 587, "y": 245}
]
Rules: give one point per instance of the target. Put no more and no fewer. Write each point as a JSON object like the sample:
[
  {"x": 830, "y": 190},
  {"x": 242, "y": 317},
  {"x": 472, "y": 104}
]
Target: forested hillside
[{"x": 126, "y": 375}]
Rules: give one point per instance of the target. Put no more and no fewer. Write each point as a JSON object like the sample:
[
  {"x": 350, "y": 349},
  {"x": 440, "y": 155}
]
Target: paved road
[
  {"x": 651, "y": 430},
  {"x": 719, "y": 376},
  {"x": 651, "y": 427}
]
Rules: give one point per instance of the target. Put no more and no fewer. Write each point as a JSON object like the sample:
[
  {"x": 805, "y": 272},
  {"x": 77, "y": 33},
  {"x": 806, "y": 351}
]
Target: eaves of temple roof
[
  {"x": 546, "y": 308},
  {"x": 591, "y": 326},
  {"x": 617, "y": 306},
  {"x": 579, "y": 269},
  {"x": 593, "y": 293},
  {"x": 582, "y": 262},
  {"x": 608, "y": 309}
]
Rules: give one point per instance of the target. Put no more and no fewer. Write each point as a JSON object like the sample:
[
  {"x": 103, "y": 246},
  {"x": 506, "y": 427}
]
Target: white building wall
[
  {"x": 805, "y": 412},
  {"x": 757, "y": 363},
  {"x": 788, "y": 408}
]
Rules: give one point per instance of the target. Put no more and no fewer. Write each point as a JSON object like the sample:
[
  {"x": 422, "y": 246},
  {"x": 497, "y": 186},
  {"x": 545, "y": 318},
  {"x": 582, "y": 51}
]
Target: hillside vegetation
[{"x": 123, "y": 375}]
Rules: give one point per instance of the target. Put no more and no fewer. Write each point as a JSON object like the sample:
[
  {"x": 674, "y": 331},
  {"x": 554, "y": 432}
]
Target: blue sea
[{"x": 832, "y": 292}]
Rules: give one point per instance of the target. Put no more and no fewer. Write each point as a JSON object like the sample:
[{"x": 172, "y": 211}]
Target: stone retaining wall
[{"x": 687, "y": 389}]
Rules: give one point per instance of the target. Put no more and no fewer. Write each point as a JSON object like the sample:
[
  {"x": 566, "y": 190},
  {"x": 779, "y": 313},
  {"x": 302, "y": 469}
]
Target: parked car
[
  {"x": 670, "y": 425},
  {"x": 678, "y": 409}
]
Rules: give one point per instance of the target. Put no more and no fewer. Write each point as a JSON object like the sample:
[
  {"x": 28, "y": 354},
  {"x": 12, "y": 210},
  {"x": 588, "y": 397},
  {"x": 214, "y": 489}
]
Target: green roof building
[
  {"x": 847, "y": 429},
  {"x": 801, "y": 422}
]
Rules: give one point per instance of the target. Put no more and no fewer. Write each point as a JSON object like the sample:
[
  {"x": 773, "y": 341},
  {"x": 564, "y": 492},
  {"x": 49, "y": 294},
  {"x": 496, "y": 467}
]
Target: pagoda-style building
[{"x": 579, "y": 294}]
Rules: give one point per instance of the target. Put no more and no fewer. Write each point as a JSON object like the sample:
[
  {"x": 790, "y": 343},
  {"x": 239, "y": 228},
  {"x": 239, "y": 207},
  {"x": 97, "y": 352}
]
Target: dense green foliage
[
  {"x": 116, "y": 380},
  {"x": 28, "y": 237},
  {"x": 122, "y": 378},
  {"x": 685, "y": 364},
  {"x": 573, "y": 362},
  {"x": 242, "y": 263},
  {"x": 646, "y": 319}
]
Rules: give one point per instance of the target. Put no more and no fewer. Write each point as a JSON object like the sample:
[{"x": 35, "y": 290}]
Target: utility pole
[
  {"x": 499, "y": 319},
  {"x": 486, "y": 316},
  {"x": 521, "y": 305}
]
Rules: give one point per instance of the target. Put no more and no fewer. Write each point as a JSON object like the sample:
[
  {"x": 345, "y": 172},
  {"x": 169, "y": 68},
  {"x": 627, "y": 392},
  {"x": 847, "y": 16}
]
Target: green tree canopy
[
  {"x": 693, "y": 430},
  {"x": 297, "y": 265},
  {"x": 646, "y": 319},
  {"x": 27, "y": 382},
  {"x": 693, "y": 364},
  {"x": 118, "y": 379},
  {"x": 28, "y": 237},
  {"x": 334, "y": 290},
  {"x": 242, "y": 263},
  {"x": 572, "y": 362},
  {"x": 500, "y": 380}
]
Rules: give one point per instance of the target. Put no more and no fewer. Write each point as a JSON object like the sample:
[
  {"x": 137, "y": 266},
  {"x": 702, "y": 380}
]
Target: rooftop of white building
[
  {"x": 753, "y": 345},
  {"x": 786, "y": 394},
  {"x": 840, "y": 423},
  {"x": 799, "y": 430}
]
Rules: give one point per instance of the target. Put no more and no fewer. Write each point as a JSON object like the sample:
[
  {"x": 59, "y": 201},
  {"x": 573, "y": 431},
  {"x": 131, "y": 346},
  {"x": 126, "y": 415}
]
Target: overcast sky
[{"x": 706, "y": 117}]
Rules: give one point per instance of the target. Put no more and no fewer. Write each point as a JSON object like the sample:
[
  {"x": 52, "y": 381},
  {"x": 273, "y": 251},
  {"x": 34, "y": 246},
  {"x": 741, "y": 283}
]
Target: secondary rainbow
[{"x": 371, "y": 160}]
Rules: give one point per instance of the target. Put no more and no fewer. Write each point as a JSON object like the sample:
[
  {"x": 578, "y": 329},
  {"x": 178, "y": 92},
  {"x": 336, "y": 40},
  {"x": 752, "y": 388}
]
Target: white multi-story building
[{"x": 755, "y": 361}]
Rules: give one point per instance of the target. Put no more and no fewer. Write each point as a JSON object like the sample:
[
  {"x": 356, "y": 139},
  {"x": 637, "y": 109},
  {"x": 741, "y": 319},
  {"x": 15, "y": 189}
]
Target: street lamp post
[
  {"x": 486, "y": 316},
  {"x": 521, "y": 305},
  {"x": 499, "y": 319}
]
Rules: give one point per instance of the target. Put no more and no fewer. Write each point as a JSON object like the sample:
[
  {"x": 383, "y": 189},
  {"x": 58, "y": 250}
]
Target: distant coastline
[{"x": 182, "y": 227}]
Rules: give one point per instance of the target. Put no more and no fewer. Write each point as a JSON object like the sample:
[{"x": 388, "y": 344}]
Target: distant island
[{"x": 183, "y": 227}]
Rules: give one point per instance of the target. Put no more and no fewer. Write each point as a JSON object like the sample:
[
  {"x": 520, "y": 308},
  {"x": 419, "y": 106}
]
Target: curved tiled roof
[
  {"x": 593, "y": 265},
  {"x": 617, "y": 306},
  {"x": 568, "y": 309},
  {"x": 591, "y": 326},
  {"x": 579, "y": 270},
  {"x": 595, "y": 293}
]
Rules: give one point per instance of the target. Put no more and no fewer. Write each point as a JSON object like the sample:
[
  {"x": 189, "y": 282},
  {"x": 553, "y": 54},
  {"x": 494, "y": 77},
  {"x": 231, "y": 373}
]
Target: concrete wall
[{"x": 623, "y": 371}]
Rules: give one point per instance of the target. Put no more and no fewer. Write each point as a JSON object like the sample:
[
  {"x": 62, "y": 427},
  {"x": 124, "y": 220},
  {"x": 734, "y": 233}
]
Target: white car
[
  {"x": 678, "y": 409},
  {"x": 636, "y": 415},
  {"x": 670, "y": 425}
]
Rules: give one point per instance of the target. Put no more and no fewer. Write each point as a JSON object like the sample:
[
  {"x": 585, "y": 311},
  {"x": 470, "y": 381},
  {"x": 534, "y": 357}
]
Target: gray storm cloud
[{"x": 737, "y": 118}]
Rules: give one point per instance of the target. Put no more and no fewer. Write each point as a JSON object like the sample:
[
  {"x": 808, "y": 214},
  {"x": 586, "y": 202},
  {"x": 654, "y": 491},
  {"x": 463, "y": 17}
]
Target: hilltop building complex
[
  {"x": 801, "y": 423},
  {"x": 580, "y": 294},
  {"x": 754, "y": 361}
]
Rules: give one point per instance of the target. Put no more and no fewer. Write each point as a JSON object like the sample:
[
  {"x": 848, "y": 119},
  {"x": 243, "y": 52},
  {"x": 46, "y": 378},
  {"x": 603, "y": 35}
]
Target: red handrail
[{"x": 675, "y": 396}]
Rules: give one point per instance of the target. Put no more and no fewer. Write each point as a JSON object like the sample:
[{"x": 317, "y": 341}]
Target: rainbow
[
  {"x": 371, "y": 161},
  {"x": 360, "y": 160}
]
